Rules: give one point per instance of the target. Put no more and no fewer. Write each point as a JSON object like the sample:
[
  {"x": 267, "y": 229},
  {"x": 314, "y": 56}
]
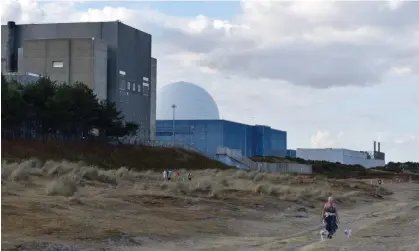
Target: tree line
[{"x": 46, "y": 109}]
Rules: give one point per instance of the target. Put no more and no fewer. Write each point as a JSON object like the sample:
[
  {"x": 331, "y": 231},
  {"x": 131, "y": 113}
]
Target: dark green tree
[
  {"x": 73, "y": 111},
  {"x": 37, "y": 95},
  {"x": 14, "y": 108},
  {"x": 109, "y": 120},
  {"x": 130, "y": 129}
]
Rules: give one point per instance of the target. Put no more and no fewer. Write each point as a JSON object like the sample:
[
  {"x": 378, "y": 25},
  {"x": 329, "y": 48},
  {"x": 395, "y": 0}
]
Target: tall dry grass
[{"x": 65, "y": 177}]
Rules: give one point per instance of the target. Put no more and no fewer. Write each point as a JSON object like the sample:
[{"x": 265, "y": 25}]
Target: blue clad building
[
  {"x": 208, "y": 135},
  {"x": 292, "y": 153}
]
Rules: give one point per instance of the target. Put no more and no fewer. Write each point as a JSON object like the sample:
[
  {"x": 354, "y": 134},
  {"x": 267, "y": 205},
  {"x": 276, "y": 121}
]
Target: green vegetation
[
  {"x": 107, "y": 156},
  {"x": 329, "y": 169},
  {"x": 399, "y": 167},
  {"x": 338, "y": 170},
  {"x": 45, "y": 109}
]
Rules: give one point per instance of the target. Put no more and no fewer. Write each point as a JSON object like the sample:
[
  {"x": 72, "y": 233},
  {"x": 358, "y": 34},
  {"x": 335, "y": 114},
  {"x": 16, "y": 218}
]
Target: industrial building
[
  {"x": 188, "y": 114},
  {"x": 208, "y": 135},
  {"x": 366, "y": 159},
  {"x": 291, "y": 153},
  {"x": 112, "y": 58}
]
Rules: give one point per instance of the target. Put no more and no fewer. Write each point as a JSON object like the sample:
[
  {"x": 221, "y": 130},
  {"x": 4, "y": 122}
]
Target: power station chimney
[
  {"x": 10, "y": 46},
  {"x": 378, "y": 146},
  {"x": 375, "y": 146}
]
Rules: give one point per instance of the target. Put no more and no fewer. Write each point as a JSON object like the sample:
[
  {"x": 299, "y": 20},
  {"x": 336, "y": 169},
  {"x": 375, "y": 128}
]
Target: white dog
[
  {"x": 322, "y": 234},
  {"x": 348, "y": 232}
]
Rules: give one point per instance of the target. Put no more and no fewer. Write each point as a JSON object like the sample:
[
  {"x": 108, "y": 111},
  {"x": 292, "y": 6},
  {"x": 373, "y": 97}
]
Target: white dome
[{"x": 192, "y": 102}]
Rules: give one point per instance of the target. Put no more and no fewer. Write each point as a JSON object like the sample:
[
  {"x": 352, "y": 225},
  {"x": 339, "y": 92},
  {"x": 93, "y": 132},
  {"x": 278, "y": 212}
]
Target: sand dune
[{"x": 53, "y": 205}]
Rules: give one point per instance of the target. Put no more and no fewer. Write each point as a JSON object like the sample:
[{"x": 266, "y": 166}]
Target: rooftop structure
[{"x": 192, "y": 102}]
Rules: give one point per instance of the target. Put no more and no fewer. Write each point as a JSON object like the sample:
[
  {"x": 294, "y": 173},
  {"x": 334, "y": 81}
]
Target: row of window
[{"x": 134, "y": 87}]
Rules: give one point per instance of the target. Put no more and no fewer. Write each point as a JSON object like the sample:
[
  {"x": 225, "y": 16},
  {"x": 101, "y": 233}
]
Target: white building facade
[{"x": 344, "y": 156}]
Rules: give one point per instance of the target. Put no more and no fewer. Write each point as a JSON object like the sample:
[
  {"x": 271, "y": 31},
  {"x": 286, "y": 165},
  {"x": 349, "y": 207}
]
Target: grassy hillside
[
  {"x": 157, "y": 158},
  {"x": 108, "y": 156}
]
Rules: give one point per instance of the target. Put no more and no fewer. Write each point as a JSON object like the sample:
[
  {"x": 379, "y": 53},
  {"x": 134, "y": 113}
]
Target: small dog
[
  {"x": 322, "y": 234},
  {"x": 348, "y": 232}
]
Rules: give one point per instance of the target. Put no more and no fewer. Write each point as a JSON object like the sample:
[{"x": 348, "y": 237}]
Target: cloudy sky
[{"x": 332, "y": 74}]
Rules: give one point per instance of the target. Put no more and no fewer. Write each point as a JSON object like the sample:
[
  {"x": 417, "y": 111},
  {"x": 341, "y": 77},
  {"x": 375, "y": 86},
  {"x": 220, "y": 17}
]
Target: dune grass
[{"x": 64, "y": 177}]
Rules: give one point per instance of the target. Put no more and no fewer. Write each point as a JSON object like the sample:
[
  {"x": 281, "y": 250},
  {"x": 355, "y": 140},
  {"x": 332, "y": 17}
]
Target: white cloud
[
  {"x": 325, "y": 139},
  {"x": 199, "y": 23},
  {"x": 401, "y": 70},
  {"x": 22, "y": 11},
  {"x": 394, "y": 4},
  {"x": 407, "y": 139}
]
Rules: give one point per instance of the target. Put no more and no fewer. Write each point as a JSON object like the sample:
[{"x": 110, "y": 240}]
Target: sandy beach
[{"x": 69, "y": 206}]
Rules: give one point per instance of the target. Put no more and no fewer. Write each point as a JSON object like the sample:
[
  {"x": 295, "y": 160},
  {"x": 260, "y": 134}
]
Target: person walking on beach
[{"x": 330, "y": 217}]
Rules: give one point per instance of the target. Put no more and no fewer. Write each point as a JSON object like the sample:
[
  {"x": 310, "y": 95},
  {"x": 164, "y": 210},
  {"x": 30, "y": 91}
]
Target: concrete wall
[
  {"x": 367, "y": 163},
  {"x": 134, "y": 60},
  {"x": 4, "y": 37},
  {"x": 234, "y": 156},
  {"x": 231, "y": 162},
  {"x": 68, "y": 61},
  {"x": 153, "y": 94},
  {"x": 331, "y": 155},
  {"x": 100, "y": 68}
]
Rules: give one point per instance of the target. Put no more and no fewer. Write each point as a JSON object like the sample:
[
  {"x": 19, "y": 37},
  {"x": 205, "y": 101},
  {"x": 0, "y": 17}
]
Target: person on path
[
  {"x": 330, "y": 217},
  {"x": 165, "y": 175}
]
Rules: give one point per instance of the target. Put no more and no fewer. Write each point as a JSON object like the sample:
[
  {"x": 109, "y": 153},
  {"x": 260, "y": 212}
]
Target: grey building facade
[
  {"x": 68, "y": 61},
  {"x": 72, "y": 52},
  {"x": 153, "y": 94}
]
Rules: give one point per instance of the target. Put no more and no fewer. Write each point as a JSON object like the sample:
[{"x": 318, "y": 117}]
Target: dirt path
[
  {"x": 388, "y": 225},
  {"x": 247, "y": 213}
]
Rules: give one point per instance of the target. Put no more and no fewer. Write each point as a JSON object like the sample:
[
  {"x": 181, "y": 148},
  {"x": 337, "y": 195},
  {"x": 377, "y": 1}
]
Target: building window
[
  {"x": 57, "y": 64},
  {"x": 145, "y": 79},
  {"x": 133, "y": 86},
  {"x": 122, "y": 84},
  {"x": 146, "y": 87},
  {"x": 139, "y": 88},
  {"x": 128, "y": 85}
]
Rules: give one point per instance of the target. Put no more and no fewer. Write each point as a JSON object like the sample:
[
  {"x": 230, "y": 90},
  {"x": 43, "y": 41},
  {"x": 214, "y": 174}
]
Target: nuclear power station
[
  {"x": 115, "y": 61},
  {"x": 195, "y": 121}
]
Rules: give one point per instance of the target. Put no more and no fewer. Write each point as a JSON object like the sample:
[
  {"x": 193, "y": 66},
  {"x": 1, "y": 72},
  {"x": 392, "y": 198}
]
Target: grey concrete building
[
  {"x": 112, "y": 58},
  {"x": 153, "y": 93},
  {"x": 68, "y": 61}
]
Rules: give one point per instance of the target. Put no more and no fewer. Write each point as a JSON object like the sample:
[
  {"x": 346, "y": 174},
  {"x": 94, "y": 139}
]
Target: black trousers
[{"x": 331, "y": 224}]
